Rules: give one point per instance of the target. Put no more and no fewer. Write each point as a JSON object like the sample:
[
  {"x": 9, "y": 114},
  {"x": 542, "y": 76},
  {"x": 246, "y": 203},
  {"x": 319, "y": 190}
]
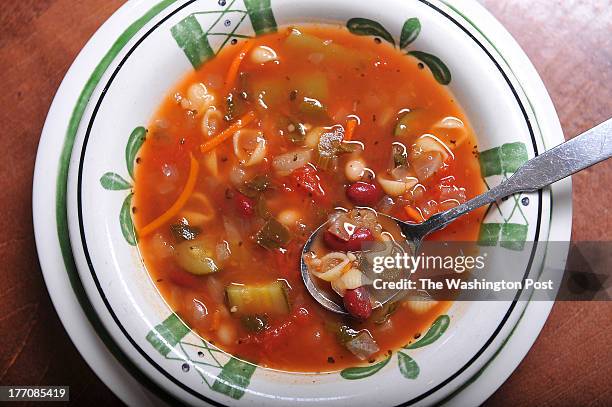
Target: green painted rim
[{"x": 61, "y": 199}]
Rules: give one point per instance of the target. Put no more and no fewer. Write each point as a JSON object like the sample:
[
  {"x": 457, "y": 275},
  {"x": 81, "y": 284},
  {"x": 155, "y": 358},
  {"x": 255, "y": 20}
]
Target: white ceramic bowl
[{"x": 508, "y": 109}]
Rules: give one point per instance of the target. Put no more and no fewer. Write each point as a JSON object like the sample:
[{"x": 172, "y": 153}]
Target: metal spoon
[{"x": 583, "y": 151}]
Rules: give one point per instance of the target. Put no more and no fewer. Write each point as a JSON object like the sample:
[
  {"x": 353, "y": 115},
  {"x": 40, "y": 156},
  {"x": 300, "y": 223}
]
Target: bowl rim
[{"x": 89, "y": 45}]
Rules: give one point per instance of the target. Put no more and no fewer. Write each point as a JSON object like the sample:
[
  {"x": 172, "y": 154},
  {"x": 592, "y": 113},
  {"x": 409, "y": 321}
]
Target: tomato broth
[{"x": 253, "y": 151}]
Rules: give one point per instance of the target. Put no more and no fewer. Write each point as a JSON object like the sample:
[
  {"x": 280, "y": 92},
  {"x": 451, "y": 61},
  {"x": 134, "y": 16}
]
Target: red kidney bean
[
  {"x": 357, "y": 302},
  {"x": 359, "y": 236},
  {"x": 244, "y": 205},
  {"x": 363, "y": 193}
]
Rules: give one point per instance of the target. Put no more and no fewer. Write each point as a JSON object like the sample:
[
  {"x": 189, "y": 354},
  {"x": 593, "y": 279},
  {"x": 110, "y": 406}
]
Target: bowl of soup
[{"x": 222, "y": 135}]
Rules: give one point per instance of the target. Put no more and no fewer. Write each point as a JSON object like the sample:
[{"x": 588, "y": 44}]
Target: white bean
[
  {"x": 226, "y": 333},
  {"x": 262, "y": 54},
  {"x": 354, "y": 170},
  {"x": 288, "y": 217}
]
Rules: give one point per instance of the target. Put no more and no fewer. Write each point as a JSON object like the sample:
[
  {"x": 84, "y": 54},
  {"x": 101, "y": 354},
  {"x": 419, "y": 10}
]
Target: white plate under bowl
[{"x": 117, "y": 287}]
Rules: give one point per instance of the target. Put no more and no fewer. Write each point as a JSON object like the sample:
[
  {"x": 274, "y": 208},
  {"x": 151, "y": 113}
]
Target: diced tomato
[
  {"x": 244, "y": 205},
  {"x": 307, "y": 179}
]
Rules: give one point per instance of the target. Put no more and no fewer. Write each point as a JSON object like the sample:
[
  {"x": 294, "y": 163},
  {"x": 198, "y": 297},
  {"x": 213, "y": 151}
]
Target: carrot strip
[
  {"x": 351, "y": 124},
  {"x": 179, "y": 203},
  {"x": 413, "y": 214},
  {"x": 232, "y": 72},
  {"x": 228, "y": 132}
]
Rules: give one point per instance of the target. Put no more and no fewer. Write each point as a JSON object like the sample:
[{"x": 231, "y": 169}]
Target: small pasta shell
[
  {"x": 199, "y": 96},
  {"x": 430, "y": 143},
  {"x": 203, "y": 212},
  {"x": 249, "y": 146},
  {"x": 394, "y": 188},
  {"x": 334, "y": 272},
  {"x": 420, "y": 305},
  {"x": 352, "y": 279},
  {"x": 212, "y": 121}
]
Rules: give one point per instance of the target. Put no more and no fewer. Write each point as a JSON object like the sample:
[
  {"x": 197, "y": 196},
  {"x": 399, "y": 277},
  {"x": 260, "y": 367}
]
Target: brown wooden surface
[{"x": 570, "y": 43}]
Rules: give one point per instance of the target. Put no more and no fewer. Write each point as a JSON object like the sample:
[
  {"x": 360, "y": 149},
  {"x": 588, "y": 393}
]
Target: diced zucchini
[
  {"x": 313, "y": 109},
  {"x": 270, "y": 92},
  {"x": 312, "y": 85},
  {"x": 307, "y": 43},
  {"x": 268, "y": 299},
  {"x": 273, "y": 235},
  {"x": 405, "y": 122},
  {"x": 196, "y": 257}
]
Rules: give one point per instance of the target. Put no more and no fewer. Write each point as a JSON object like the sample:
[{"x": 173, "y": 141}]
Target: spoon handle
[{"x": 580, "y": 152}]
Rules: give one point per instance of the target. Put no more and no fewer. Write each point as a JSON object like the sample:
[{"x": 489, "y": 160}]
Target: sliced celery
[{"x": 267, "y": 299}]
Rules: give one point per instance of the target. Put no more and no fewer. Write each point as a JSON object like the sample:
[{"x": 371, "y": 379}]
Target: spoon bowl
[{"x": 583, "y": 151}]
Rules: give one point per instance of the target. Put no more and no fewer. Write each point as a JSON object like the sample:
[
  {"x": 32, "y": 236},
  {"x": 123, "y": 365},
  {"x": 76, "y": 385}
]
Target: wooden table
[{"x": 570, "y": 43}]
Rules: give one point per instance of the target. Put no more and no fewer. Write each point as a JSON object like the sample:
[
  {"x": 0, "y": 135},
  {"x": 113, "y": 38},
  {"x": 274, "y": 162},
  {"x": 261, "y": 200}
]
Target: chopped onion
[
  {"x": 231, "y": 231},
  {"x": 284, "y": 164},
  {"x": 450, "y": 122},
  {"x": 427, "y": 164},
  {"x": 211, "y": 163},
  {"x": 223, "y": 251},
  {"x": 237, "y": 176},
  {"x": 363, "y": 345}
]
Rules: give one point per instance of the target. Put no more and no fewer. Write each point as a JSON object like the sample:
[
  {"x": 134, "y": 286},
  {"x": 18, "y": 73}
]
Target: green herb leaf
[
  {"x": 114, "y": 182},
  {"x": 273, "y": 235},
  {"x": 125, "y": 221},
  {"x": 410, "y": 32},
  {"x": 407, "y": 366},
  {"x": 364, "y": 26},
  {"x": 434, "y": 333},
  {"x": 182, "y": 231},
  {"x": 234, "y": 378},
  {"x": 254, "y": 323},
  {"x": 356, "y": 373},
  {"x": 133, "y": 145},
  {"x": 439, "y": 70}
]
